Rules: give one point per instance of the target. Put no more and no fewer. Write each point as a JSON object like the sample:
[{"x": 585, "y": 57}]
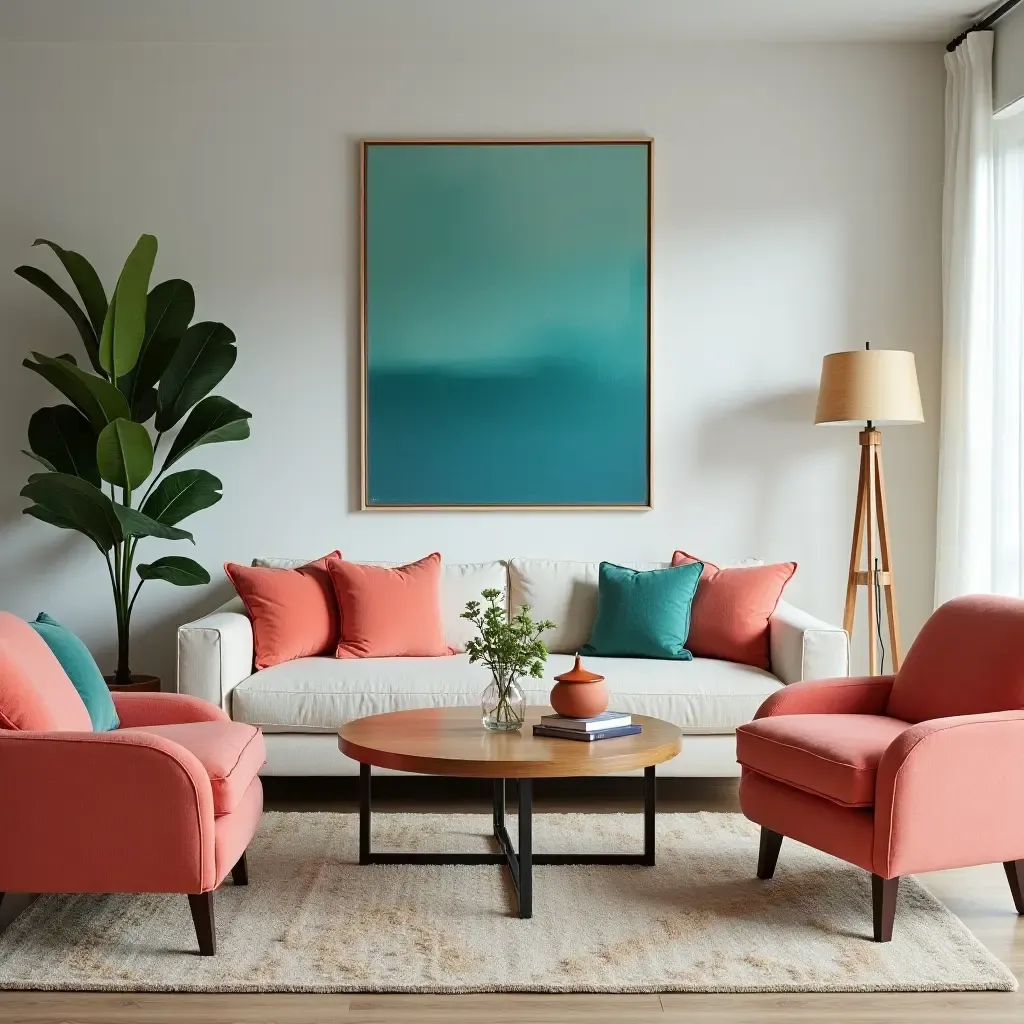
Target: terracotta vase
[{"x": 579, "y": 693}]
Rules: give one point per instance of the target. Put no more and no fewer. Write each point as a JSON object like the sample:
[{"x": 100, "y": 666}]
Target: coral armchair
[
  {"x": 898, "y": 774},
  {"x": 168, "y": 802}
]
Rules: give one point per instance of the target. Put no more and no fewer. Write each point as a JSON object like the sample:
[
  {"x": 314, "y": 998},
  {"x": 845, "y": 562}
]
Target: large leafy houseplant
[{"x": 151, "y": 373}]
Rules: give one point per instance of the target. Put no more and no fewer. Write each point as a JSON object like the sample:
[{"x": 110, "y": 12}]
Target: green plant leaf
[
  {"x": 42, "y": 462},
  {"x": 124, "y": 453},
  {"x": 74, "y": 504},
  {"x": 213, "y": 419},
  {"x": 182, "y": 572},
  {"x": 143, "y": 405},
  {"x": 135, "y": 524},
  {"x": 48, "y": 286},
  {"x": 124, "y": 327},
  {"x": 65, "y": 440},
  {"x": 203, "y": 358},
  {"x": 180, "y": 494},
  {"x": 97, "y": 398},
  {"x": 85, "y": 279},
  {"x": 169, "y": 309}
]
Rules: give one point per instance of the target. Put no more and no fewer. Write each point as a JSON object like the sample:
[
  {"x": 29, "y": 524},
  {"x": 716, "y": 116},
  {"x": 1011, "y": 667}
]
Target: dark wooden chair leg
[
  {"x": 201, "y": 905},
  {"x": 240, "y": 872},
  {"x": 768, "y": 852},
  {"x": 1015, "y": 876},
  {"x": 883, "y": 905}
]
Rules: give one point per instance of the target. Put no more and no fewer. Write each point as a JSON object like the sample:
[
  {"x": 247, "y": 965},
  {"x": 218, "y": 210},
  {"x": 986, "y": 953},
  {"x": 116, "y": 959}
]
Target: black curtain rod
[{"x": 985, "y": 23}]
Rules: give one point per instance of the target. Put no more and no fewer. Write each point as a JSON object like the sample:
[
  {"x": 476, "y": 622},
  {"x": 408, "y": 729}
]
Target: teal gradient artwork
[{"x": 506, "y": 293}]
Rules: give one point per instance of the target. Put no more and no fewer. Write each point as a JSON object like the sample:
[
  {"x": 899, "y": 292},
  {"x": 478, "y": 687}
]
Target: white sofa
[{"x": 301, "y": 704}]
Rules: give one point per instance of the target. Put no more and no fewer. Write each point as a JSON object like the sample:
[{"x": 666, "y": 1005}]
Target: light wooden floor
[{"x": 978, "y": 895}]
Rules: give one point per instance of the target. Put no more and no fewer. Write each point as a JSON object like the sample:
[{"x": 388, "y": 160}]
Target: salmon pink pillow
[
  {"x": 294, "y": 613},
  {"x": 389, "y": 613},
  {"x": 730, "y": 611}
]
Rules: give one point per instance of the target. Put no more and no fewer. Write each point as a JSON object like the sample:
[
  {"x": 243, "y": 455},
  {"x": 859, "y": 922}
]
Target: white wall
[
  {"x": 797, "y": 209},
  {"x": 1008, "y": 68}
]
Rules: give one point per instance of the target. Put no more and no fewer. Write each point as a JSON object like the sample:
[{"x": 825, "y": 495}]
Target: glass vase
[{"x": 503, "y": 704}]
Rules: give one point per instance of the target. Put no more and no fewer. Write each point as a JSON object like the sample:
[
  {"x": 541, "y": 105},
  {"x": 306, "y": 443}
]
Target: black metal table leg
[
  {"x": 499, "y": 804},
  {"x": 525, "y": 848},
  {"x": 650, "y": 799},
  {"x": 364, "y": 814}
]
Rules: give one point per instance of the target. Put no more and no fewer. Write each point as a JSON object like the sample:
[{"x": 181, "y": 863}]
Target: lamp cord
[{"x": 878, "y": 616}]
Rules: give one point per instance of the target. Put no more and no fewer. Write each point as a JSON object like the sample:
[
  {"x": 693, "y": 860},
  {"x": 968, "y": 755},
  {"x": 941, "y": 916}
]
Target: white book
[{"x": 607, "y": 720}]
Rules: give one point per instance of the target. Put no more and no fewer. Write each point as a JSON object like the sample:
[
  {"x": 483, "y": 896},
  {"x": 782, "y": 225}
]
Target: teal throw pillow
[
  {"x": 81, "y": 669},
  {"x": 643, "y": 614}
]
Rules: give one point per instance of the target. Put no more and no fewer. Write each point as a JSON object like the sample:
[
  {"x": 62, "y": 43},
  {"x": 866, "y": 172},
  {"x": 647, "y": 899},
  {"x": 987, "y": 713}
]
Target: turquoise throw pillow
[
  {"x": 81, "y": 669},
  {"x": 643, "y": 614}
]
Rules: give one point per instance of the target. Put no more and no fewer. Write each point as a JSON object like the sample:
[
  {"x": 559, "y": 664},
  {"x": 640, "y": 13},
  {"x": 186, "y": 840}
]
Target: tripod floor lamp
[{"x": 873, "y": 386}]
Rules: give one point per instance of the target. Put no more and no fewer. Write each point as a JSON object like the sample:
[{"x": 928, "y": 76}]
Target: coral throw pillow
[
  {"x": 389, "y": 613},
  {"x": 294, "y": 613},
  {"x": 731, "y": 609},
  {"x": 35, "y": 692}
]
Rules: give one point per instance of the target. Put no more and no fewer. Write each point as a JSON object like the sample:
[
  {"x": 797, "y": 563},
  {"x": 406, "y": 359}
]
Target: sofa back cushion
[
  {"x": 967, "y": 660},
  {"x": 35, "y": 692},
  {"x": 460, "y": 582},
  {"x": 565, "y": 593}
]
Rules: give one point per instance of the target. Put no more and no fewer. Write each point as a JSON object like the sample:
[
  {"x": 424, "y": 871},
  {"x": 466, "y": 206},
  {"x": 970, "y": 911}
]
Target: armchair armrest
[
  {"x": 803, "y": 647},
  {"x": 851, "y": 695},
  {"x": 215, "y": 654},
  {"x": 104, "y": 812},
  {"x": 949, "y": 794},
  {"x": 141, "y": 709}
]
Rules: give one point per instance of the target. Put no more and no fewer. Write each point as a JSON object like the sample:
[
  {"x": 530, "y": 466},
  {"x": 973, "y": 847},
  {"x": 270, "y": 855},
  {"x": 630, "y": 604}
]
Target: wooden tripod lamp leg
[
  {"x": 858, "y": 543},
  {"x": 885, "y": 556}
]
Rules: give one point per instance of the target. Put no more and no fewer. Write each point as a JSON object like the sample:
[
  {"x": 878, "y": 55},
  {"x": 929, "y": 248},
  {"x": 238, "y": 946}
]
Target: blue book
[{"x": 585, "y": 737}]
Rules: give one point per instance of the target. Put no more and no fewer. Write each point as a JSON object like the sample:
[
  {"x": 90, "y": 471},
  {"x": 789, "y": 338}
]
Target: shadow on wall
[{"x": 760, "y": 441}]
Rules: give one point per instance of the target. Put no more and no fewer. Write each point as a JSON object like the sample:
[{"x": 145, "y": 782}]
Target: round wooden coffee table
[{"x": 453, "y": 742}]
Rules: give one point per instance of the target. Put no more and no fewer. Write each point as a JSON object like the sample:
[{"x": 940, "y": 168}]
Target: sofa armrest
[
  {"x": 948, "y": 794},
  {"x": 215, "y": 654},
  {"x": 104, "y": 812},
  {"x": 803, "y": 647},
  {"x": 142, "y": 709},
  {"x": 850, "y": 695}
]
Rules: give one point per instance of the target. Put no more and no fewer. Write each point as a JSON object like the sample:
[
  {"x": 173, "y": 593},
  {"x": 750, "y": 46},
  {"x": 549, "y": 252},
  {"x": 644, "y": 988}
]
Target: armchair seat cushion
[
  {"x": 833, "y": 756},
  {"x": 231, "y": 752}
]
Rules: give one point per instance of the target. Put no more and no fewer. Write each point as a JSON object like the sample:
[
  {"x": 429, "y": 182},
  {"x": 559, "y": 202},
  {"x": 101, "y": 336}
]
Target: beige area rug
[{"x": 313, "y": 920}]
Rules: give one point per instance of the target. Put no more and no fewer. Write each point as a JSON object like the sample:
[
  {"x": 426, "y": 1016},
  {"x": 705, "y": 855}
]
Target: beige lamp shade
[{"x": 877, "y": 384}]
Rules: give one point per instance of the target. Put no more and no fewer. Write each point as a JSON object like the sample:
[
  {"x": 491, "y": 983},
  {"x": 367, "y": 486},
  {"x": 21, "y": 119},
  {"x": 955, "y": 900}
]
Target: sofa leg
[
  {"x": 768, "y": 852},
  {"x": 1015, "y": 876},
  {"x": 201, "y": 905},
  {"x": 240, "y": 872},
  {"x": 883, "y": 905}
]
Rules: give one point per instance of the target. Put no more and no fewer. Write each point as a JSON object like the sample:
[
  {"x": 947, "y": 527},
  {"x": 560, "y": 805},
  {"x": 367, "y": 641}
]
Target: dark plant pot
[{"x": 139, "y": 684}]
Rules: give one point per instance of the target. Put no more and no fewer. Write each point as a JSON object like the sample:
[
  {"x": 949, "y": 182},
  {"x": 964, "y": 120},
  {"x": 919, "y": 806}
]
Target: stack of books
[{"x": 603, "y": 727}]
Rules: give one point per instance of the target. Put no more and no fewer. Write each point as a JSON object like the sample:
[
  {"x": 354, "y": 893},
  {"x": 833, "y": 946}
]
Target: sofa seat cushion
[
  {"x": 231, "y": 753},
  {"x": 834, "y": 756},
  {"x": 322, "y": 694}
]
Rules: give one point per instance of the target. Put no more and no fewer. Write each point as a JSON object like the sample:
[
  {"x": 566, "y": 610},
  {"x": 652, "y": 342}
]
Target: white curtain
[{"x": 980, "y": 531}]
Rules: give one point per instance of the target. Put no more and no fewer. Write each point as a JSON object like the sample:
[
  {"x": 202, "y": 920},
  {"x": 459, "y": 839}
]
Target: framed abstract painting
[{"x": 506, "y": 324}]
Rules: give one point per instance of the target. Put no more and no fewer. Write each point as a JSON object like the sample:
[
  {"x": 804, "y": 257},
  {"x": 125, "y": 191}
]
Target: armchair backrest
[
  {"x": 967, "y": 660},
  {"x": 35, "y": 692}
]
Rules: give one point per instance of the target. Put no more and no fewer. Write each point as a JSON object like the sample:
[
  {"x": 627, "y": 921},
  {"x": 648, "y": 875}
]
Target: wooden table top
[{"x": 453, "y": 741}]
